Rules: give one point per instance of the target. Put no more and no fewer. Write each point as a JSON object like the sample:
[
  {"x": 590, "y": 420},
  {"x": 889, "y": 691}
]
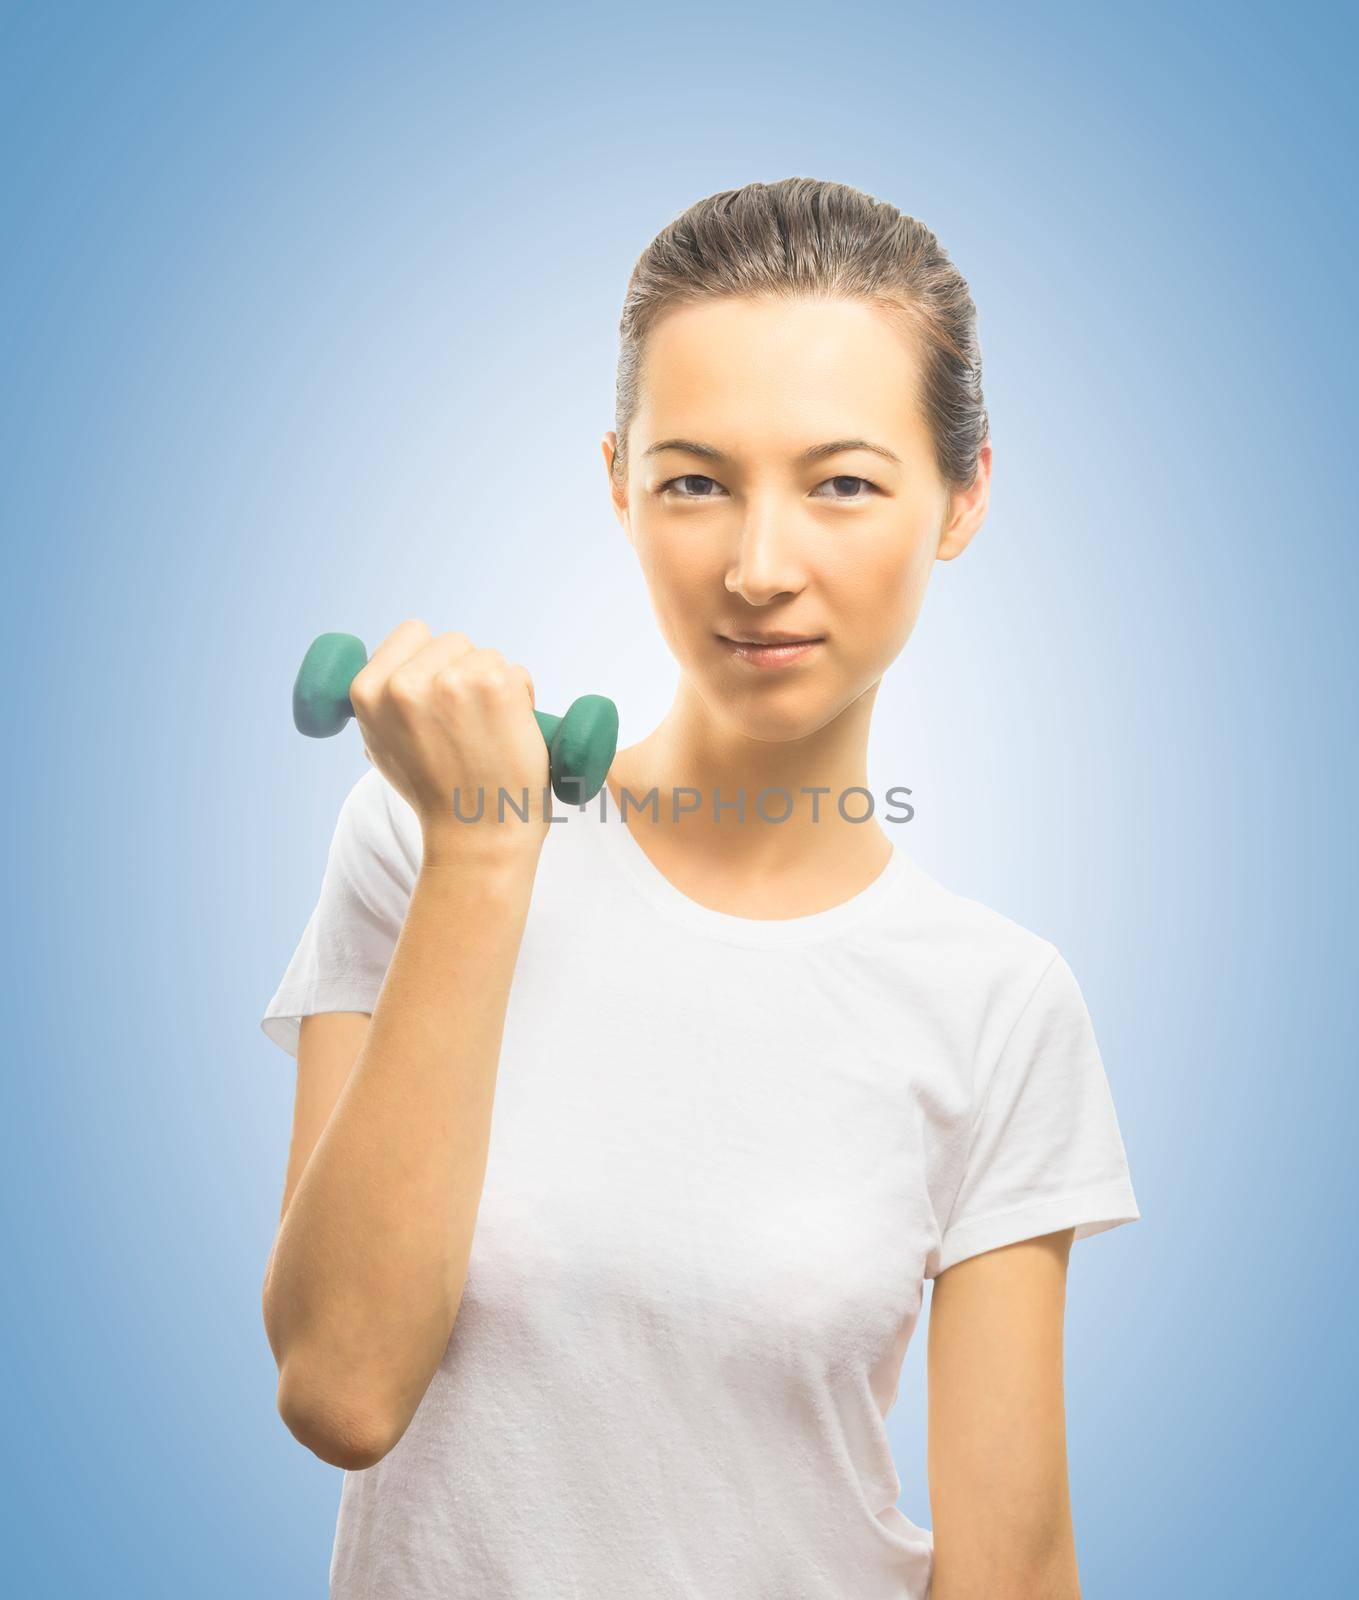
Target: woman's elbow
[
  {"x": 1008, "y": 1576},
  {"x": 352, "y": 1438}
]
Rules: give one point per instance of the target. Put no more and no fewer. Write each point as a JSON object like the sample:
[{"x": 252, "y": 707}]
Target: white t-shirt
[{"x": 725, "y": 1154}]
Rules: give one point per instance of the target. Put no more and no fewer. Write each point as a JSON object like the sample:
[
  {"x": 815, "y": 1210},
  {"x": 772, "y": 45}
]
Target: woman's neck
[{"x": 704, "y": 829}]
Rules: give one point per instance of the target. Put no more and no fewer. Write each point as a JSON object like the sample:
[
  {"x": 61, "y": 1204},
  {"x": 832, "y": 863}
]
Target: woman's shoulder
[{"x": 971, "y": 935}]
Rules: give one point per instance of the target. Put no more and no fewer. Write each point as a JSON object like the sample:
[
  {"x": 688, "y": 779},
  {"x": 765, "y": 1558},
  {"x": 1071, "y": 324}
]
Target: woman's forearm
[{"x": 370, "y": 1260}]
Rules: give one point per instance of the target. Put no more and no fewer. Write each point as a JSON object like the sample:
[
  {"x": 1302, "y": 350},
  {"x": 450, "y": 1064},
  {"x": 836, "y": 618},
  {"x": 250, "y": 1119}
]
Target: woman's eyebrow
[{"x": 813, "y": 452}]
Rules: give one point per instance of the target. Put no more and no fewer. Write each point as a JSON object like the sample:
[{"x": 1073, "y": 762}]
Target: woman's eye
[
  {"x": 849, "y": 480},
  {"x": 690, "y": 477}
]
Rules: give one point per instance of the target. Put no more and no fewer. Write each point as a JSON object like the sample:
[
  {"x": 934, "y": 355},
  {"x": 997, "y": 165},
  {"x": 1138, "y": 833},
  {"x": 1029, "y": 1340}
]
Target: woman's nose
[{"x": 768, "y": 560}]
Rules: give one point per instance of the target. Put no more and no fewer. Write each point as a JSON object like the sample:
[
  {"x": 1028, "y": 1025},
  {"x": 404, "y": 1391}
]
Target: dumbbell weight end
[{"x": 581, "y": 747}]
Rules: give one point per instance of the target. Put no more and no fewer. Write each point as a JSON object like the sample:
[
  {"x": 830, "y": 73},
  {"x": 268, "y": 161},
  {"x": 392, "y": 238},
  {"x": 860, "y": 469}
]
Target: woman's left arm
[{"x": 999, "y": 1493}]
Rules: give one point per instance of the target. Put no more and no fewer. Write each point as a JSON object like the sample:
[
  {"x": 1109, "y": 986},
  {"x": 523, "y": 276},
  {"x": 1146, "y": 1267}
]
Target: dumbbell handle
[{"x": 580, "y": 745}]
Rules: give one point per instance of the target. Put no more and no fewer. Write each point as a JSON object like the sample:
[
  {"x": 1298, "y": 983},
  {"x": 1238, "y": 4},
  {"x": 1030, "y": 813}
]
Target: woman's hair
[{"x": 804, "y": 238}]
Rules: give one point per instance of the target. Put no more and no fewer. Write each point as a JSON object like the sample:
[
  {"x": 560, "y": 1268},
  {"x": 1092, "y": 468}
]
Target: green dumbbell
[{"x": 580, "y": 745}]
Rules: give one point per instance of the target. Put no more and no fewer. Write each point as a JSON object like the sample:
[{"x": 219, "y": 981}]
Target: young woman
[{"x": 620, "y": 1160}]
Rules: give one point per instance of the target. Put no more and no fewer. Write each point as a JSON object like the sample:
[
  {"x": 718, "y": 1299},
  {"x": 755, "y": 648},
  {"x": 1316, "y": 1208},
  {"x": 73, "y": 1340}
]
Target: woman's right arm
[
  {"x": 368, "y": 1267},
  {"x": 370, "y": 1260}
]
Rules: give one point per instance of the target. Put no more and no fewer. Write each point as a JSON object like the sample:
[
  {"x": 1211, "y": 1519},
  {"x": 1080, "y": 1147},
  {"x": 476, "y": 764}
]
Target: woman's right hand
[{"x": 440, "y": 717}]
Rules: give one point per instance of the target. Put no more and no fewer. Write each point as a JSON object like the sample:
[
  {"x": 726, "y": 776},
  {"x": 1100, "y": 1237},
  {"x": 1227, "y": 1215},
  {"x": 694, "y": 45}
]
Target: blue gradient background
[{"x": 310, "y": 323}]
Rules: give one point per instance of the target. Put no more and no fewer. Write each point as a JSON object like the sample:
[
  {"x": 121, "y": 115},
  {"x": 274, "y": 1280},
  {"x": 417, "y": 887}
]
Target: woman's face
[{"x": 752, "y": 509}]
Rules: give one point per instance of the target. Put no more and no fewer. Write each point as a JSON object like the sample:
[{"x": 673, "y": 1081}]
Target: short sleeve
[
  {"x": 347, "y": 944},
  {"x": 1046, "y": 1151}
]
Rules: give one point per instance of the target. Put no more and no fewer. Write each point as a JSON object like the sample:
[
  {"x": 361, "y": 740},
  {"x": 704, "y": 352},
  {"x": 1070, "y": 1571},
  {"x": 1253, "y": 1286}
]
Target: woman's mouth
[{"x": 778, "y": 653}]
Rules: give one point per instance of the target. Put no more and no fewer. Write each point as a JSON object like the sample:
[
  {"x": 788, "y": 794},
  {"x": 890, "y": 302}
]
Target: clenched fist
[{"x": 445, "y": 720}]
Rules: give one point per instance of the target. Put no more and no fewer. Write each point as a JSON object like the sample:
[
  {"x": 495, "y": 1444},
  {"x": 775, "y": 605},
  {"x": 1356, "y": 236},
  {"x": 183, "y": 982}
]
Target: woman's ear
[
  {"x": 967, "y": 509},
  {"x": 617, "y": 488}
]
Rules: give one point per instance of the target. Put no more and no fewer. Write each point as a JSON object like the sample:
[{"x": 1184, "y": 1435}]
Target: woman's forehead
[
  {"x": 792, "y": 374},
  {"x": 797, "y": 356}
]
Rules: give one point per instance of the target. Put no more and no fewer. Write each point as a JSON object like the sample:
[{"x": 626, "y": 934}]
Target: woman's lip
[
  {"x": 774, "y": 638},
  {"x": 770, "y": 655}
]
